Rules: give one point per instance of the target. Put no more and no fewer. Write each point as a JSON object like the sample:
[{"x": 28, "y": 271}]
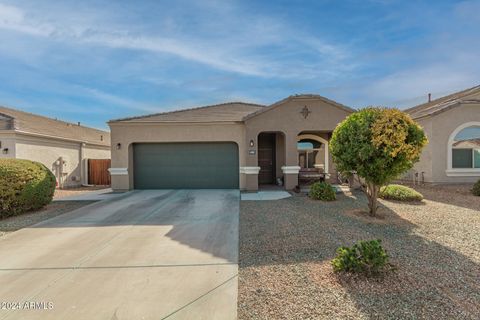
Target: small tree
[{"x": 378, "y": 145}]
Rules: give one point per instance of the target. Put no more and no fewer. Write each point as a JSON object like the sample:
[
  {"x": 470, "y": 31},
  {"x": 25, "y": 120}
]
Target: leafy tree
[{"x": 378, "y": 145}]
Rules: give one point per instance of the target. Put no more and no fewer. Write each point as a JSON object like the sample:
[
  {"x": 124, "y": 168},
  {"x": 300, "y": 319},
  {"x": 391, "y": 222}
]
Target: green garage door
[{"x": 185, "y": 165}]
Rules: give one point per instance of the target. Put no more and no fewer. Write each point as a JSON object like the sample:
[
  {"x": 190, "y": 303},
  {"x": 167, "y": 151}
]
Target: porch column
[
  {"x": 121, "y": 167},
  {"x": 291, "y": 168},
  {"x": 290, "y": 175},
  {"x": 251, "y": 177}
]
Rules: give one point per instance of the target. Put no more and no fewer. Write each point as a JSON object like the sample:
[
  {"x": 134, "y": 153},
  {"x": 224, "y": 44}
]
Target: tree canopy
[{"x": 378, "y": 144}]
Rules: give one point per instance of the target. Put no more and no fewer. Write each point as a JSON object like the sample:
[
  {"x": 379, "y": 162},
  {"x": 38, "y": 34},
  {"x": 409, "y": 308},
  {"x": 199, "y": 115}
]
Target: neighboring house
[
  {"x": 231, "y": 145},
  {"x": 452, "y": 125},
  {"x": 61, "y": 146}
]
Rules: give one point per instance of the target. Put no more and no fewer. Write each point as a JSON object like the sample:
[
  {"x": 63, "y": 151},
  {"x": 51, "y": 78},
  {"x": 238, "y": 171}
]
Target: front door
[{"x": 266, "y": 158}]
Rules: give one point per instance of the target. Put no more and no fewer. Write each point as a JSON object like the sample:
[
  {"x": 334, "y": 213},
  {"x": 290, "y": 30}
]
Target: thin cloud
[
  {"x": 236, "y": 53},
  {"x": 126, "y": 57}
]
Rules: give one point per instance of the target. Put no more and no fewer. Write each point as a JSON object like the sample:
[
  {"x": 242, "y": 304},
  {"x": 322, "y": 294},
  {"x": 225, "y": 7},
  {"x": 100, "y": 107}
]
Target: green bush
[
  {"x": 378, "y": 145},
  {"x": 476, "y": 189},
  {"x": 322, "y": 191},
  {"x": 367, "y": 257},
  {"x": 24, "y": 185},
  {"x": 400, "y": 193}
]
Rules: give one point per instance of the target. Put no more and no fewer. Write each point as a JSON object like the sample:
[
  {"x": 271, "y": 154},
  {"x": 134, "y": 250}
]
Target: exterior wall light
[
  {"x": 119, "y": 146},
  {"x": 252, "y": 143}
]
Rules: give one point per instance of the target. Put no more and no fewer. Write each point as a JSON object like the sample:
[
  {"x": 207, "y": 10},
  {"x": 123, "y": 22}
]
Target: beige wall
[
  {"x": 129, "y": 133},
  {"x": 7, "y": 139},
  {"x": 443, "y": 126},
  {"x": 288, "y": 119},
  {"x": 425, "y": 163},
  {"x": 434, "y": 159},
  {"x": 279, "y": 154},
  {"x": 47, "y": 151}
]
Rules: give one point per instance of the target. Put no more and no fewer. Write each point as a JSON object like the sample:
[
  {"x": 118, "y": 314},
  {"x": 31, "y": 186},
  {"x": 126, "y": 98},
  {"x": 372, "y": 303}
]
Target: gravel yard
[
  {"x": 27, "y": 219},
  {"x": 286, "y": 247}
]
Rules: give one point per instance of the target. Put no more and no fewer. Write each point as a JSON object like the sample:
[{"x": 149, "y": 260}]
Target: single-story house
[
  {"x": 62, "y": 147},
  {"x": 230, "y": 145},
  {"x": 452, "y": 125},
  {"x": 249, "y": 146}
]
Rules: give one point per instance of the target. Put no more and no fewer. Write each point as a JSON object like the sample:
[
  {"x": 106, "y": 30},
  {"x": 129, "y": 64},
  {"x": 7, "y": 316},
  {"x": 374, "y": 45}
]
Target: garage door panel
[{"x": 186, "y": 165}]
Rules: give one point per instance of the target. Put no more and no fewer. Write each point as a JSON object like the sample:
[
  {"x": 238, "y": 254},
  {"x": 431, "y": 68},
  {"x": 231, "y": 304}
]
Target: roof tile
[
  {"x": 224, "y": 112},
  {"x": 444, "y": 103},
  {"x": 32, "y": 123}
]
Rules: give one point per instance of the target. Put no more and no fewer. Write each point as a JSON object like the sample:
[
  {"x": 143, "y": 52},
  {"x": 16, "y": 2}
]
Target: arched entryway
[{"x": 313, "y": 152}]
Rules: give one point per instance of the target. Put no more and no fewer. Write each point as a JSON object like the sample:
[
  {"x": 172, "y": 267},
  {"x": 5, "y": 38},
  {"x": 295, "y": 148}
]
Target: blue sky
[{"x": 92, "y": 61}]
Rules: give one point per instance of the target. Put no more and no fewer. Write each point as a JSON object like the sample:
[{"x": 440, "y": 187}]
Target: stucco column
[
  {"x": 251, "y": 177},
  {"x": 290, "y": 175},
  {"x": 251, "y": 169},
  {"x": 119, "y": 170},
  {"x": 291, "y": 168}
]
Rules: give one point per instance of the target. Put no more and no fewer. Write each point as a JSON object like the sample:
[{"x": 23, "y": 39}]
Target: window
[
  {"x": 307, "y": 152},
  {"x": 308, "y": 144},
  {"x": 462, "y": 158},
  {"x": 476, "y": 158},
  {"x": 466, "y": 148}
]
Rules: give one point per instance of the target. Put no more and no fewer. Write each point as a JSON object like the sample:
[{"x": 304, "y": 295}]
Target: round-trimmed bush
[
  {"x": 24, "y": 185},
  {"x": 400, "y": 193},
  {"x": 476, "y": 189},
  {"x": 322, "y": 191}
]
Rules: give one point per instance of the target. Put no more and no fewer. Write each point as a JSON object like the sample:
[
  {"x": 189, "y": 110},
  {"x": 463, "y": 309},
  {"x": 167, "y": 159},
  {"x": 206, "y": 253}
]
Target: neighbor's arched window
[{"x": 466, "y": 148}]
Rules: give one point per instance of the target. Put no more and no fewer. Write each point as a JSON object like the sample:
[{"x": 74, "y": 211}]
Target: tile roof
[
  {"x": 224, "y": 112},
  {"x": 444, "y": 103},
  {"x": 230, "y": 111},
  {"x": 36, "y": 124}
]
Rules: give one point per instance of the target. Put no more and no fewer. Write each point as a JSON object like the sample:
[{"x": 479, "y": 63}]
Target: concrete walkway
[
  {"x": 141, "y": 255},
  {"x": 265, "y": 195}
]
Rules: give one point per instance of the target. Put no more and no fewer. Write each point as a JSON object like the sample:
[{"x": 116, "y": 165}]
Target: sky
[{"x": 92, "y": 61}]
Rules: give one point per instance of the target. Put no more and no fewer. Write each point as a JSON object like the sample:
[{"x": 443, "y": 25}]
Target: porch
[{"x": 308, "y": 160}]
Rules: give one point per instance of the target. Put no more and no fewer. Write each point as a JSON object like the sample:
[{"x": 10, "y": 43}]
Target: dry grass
[{"x": 286, "y": 247}]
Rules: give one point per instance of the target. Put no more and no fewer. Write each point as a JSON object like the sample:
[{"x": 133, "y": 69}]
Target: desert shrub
[
  {"x": 378, "y": 145},
  {"x": 367, "y": 257},
  {"x": 400, "y": 193},
  {"x": 476, "y": 188},
  {"x": 24, "y": 185},
  {"x": 322, "y": 191}
]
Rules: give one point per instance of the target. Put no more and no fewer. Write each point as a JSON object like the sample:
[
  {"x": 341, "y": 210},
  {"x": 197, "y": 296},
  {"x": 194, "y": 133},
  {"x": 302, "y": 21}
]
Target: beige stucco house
[
  {"x": 250, "y": 146},
  {"x": 61, "y": 146},
  {"x": 452, "y": 125},
  {"x": 231, "y": 145}
]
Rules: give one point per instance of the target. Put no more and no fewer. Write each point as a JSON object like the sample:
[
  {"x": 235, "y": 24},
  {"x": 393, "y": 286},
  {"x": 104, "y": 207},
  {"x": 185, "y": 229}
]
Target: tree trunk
[{"x": 372, "y": 195}]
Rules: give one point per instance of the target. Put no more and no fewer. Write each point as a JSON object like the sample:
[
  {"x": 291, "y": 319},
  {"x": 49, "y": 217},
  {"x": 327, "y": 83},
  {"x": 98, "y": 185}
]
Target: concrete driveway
[{"x": 153, "y": 254}]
